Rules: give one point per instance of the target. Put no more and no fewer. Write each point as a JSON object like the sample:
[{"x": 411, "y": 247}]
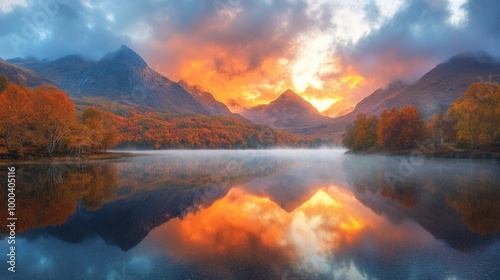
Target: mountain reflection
[
  {"x": 243, "y": 229},
  {"x": 140, "y": 194},
  {"x": 439, "y": 191},
  {"x": 266, "y": 215}
]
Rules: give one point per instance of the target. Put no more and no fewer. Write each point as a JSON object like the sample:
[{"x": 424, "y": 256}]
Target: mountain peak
[
  {"x": 124, "y": 47},
  {"x": 290, "y": 97},
  {"x": 473, "y": 56},
  {"x": 289, "y": 93},
  {"x": 127, "y": 55},
  {"x": 289, "y": 111}
]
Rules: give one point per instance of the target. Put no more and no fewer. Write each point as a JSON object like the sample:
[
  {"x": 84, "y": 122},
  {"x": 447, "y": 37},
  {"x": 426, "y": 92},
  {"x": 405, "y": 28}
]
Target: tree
[
  {"x": 442, "y": 128},
  {"x": 92, "y": 120},
  {"x": 15, "y": 114},
  {"x": 4, "y": 82},
  {"x": 54, "y": 116},
  {"x": 478, "y": 115},
  {"x": 100, "y": 129},
  {"x": 362, "y": 134},
  {"x": 111, "y": 135},
  {"x": 400, "y": 129}
]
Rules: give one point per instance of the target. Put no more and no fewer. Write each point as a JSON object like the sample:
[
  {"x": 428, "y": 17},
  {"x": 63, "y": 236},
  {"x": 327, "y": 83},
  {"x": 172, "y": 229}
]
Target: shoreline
[
  {"x": 433, "y": 153},
  {"x": 40, "y": 160}
]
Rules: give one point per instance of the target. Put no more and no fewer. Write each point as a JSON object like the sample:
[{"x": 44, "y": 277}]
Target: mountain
[
  {"x": 432, "y": 93},
  {"x": 66, "y": 71},
  {"x": 125, "y": 77},
  {"x": 441, "y": 86},
  {"x": 20, "y": 75},
  {"x": 288, "y": 112},
  {"x": 234, "y": 106},
  {"x": 375, "y": 103},
  {"x": 339, "y": 108},
  {"x": 208, "y": 101},
  {"x": 119, "y": 78}
]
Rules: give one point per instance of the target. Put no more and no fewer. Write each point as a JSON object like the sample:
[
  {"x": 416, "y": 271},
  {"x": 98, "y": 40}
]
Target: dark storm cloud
[
  {"x": 83, "y": 26},
  {"x": 420, "y": 36},
  {"x": 50, "y": 29},
  {"x": 234, "y": 38}
]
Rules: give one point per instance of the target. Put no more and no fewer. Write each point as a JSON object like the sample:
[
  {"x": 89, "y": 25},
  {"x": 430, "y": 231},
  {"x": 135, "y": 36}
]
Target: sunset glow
[
  {"x": 252, "y": 51},
  {"x": 329, "y": 220}
]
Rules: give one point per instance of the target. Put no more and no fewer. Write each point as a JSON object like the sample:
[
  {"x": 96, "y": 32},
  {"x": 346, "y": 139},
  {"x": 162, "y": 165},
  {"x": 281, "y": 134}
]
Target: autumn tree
[
  {"x": 111, "y": 135},
  {"x": 98, "y": 129},
  {"x": 15, "y": 114},
  {"x": 92, "y": 120},
  {"x": 79, "y": 138},
  {"x": 54, "y": 117},
  {"x": 400, "y": 129},
  {"x": 4, "y": 82},
  {"x": 362, "y": 134},
  {"x": 442, "y": 128},
  {"x": 478, "y": 115}
]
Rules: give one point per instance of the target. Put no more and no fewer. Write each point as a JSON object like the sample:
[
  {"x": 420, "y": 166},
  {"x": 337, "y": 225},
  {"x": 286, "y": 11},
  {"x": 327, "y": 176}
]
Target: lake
[{"x": 267, "y": 214}]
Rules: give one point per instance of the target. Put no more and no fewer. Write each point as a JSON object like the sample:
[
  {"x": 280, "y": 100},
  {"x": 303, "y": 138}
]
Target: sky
[{"x": 331, "y": 52}]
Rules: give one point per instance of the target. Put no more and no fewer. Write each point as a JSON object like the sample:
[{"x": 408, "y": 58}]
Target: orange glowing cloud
[{"x": 257, "y": 73}]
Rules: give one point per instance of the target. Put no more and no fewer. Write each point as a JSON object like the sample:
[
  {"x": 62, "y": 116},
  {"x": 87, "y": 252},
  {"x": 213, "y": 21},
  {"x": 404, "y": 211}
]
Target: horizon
[{"x": 329, "y": 53}]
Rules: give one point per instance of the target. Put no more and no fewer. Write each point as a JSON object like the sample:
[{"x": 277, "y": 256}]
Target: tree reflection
[
  {"x": 191, "y": 172},
  {"x": 476, "y": 197},
  {"x": 124, "y": 200},
  {"x": 373, "y": 175},
  {"x": 48, "y": 195},
  {"x": 471, "y": 188}
]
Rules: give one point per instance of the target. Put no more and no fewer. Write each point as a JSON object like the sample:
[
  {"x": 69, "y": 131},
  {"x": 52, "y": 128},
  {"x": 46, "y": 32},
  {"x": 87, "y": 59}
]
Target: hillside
[
  {"x": 119, "y": 80},
  {"x": 432, "y": 93}
]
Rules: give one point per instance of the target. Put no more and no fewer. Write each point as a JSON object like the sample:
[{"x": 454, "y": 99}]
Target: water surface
[{"x": 311, "y": 214}]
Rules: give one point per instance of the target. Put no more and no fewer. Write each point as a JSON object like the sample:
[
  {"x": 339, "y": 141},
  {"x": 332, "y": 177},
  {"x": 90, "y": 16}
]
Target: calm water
[{"x": 257, "y": 215}]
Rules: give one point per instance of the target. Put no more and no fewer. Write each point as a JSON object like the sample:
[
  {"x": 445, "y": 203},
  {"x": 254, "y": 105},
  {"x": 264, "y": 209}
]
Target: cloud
[
  {"x": 252, "y": 51},
  {"x": 6, "y": 6}
]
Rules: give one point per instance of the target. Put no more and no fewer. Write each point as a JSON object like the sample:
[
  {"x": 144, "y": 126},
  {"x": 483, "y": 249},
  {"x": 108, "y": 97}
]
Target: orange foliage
[
  {"x": 152, "y": 130},
  {"x": 45, "y": 118},
  {"x": 400, "y": 129}
]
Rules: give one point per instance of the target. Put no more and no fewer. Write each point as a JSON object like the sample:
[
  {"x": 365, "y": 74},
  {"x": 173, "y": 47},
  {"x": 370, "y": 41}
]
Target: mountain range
[
  {"x": 123, "y": 79},
  {"x": 432, "y": 93}
]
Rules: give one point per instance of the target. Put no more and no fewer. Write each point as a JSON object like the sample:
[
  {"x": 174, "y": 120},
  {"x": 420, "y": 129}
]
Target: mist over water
[{"x": 259, "y": 214}]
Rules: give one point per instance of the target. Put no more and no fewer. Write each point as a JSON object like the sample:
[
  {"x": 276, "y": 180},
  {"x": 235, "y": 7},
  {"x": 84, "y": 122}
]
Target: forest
[
  {"x": 43, "y": 121},
  {"x": 472, "y": 122}
]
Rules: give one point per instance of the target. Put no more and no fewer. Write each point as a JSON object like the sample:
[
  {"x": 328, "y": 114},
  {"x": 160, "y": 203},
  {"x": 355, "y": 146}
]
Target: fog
[{"x": 312, "y": 214}]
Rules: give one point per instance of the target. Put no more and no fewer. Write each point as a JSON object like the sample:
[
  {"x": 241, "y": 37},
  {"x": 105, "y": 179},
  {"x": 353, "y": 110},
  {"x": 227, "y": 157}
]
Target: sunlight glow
[
  {"x": 352, "y": 80},
  {"x": 321, "y": 103}
]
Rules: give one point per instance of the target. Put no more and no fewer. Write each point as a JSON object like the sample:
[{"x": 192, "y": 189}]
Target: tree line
[
  {"x": 44, "y": 121},
  {"x": 472, "y": 121},
  {"x": 158, "y": 131}
]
